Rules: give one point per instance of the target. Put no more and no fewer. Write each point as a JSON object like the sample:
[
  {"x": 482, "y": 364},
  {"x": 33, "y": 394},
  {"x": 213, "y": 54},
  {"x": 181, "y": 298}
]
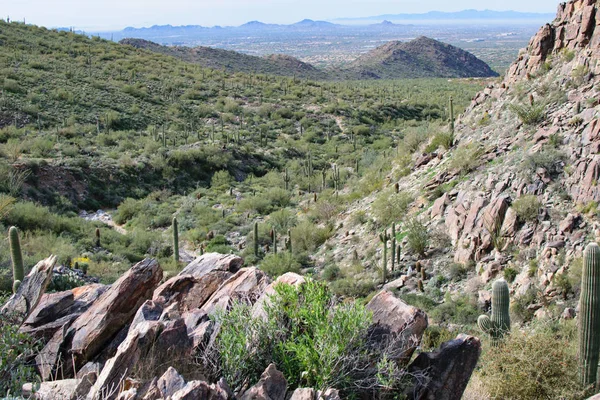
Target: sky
[{"x": 104, "y": 15}]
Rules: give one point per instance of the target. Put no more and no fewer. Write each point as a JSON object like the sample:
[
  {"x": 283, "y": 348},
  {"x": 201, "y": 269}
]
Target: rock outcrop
[{"x": 134, "y": 326}]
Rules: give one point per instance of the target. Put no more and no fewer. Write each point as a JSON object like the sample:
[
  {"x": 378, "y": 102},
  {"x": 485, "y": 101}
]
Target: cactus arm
[{"x": 589, "y": 325}]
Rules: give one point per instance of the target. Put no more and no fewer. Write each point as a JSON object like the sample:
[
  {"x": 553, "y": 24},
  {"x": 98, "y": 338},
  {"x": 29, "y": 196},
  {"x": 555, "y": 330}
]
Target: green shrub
[
  {"x": 529, "y": 114},
  {"x": 510, "y": 274},
  {"x": 458, "y": 309},
  {"x": 527, "y": 207},
  {"x": 466, "y": 158},
  {"x": 331, "y": 272},
  {"x": 17, "y": 350},
  {"x": 444, "y": 140},
  {"x": 278, "y": 264},
  {"x": 539, "y": 362},
  {"x": 390, "y": 207},
  {"x": 315, "y": 340},
  {"x": 417, "y": 235},
  {"x": 353, "y": 287},
  {"x": 547, "y": 158}
]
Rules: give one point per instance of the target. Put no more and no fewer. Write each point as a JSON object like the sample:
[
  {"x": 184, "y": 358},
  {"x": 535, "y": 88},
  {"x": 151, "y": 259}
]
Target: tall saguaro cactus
[
  {"x": 274, "y": 240},
  {"x": 256, "y": 239},
  {"x": 175, "y": 240},
  {"x": 451, "y": 114},
  {"x": 384, "y": 237},
  {"x": 16, "y": 256},
  {"x": 499, "y": 324},
  {"x": 393, "y": 246},
  {"x": 589, "y": 311}
]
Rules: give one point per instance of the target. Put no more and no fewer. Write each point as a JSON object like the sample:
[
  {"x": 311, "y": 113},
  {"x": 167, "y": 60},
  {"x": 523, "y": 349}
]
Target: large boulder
[
  {"x": 31, "y": 290},
  {"x": 445, "y": 373},
  {"x": 396, "y": 324},
  {"x": 246, "y": 285},
  {"x": 96, "y": 327},
  {"x": 58, "y": 309},
  {"x": 194, "y": 285}
]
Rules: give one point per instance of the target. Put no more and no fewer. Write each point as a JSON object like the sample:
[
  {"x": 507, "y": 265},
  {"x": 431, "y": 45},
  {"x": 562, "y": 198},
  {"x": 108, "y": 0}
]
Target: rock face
[
  {"x": 397, "y": 323},
  {"x": 447, "y": 371}
]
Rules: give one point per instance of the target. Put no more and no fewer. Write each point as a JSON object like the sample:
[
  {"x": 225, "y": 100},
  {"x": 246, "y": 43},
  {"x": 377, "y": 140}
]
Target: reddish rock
[
  {"x": 96, "y": 327},
  {"x": 397, "y": 321},
  {"x": 439, "y": 206},
  {"x": 247, "y": 285},
  {"x": 58, "y": 309},
  {"x": 271, "y": 386}
]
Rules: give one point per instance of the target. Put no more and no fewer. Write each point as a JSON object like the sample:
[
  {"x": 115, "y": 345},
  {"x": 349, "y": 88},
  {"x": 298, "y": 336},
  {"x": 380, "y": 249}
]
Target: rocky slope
[
  {"x": 420, "y": 58},
  {"x": 518, "y": 190}
]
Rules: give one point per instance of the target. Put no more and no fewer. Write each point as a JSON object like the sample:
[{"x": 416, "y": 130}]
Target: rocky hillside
[
  {"x": 419, "y": 58},
  {"x": 516, "y": 195},
  {"x": 232, "y": 61}
]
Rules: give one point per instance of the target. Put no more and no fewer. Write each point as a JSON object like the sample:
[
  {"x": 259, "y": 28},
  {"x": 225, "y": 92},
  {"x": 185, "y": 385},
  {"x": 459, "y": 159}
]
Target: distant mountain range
[
  {"x": 464, "y": 15},
  {"x": 419, "y": 58}
]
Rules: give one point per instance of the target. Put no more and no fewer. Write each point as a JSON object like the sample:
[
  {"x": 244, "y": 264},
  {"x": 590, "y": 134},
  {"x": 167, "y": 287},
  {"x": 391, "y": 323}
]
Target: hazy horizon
[{"x": 112, "y": 15}]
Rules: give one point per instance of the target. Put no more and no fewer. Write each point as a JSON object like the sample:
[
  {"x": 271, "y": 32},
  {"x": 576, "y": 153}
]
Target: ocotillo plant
[
  {"x": 393, "y": 258},
  {"x": 175, "y": 240},
  {"x": 499, "y": 324},
  {"x": 97, "y": 237},
  {"x": 16, "y": 256},
  {"x": 384, "y": 238},
  {"x": 589, "y": 311},
  {"x": 256, "y": 239}
]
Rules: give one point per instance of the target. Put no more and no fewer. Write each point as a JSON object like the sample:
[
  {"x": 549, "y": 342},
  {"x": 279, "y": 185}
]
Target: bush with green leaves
[
  {"x": 529, "y": 114},
  {"x": 17, "y": 351},
  {"x": 538, "y": 362},
  {"x": 391, "y": 207},
  {"x": 313, "y": 338},
  {"x": 417, "y": 235},
  {"x": 527, "y": 207},
  {"x": 280, "y": 263}
]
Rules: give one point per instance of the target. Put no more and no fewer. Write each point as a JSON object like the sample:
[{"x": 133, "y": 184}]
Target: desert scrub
[
  {"x": 539, "y": 362},
  {"x": 529, "y": 114},
  {"x": 390, "y": 207},
  {"x": 313, "y": 338},
  {"x": 417, "y": 235},
  {"x": 17, "y": 366},
  {"x": 280, "y": 263},
  {"x": 527, "y": 207},
  {"x": 466, "y": 158}
]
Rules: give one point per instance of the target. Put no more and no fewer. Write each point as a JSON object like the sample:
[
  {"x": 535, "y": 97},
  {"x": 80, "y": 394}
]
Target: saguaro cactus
[
  {"x": 256, "y": 239},
  {"x": 16, "y": 256},
  {"x": 289, "y": 242},
  {"x": 451, "y": 114},
  {"x": 286, "y": 179},
  {"x": 97, "y": 237},
  {"x": 589, "y": 311},
  {"x": 274, "y": 240},
  {"x": 384, "y": 237},
  {"x": 175, "y": 240},
  {"x": 499, "y": 324},
  {"x": 393, "y": 247}
]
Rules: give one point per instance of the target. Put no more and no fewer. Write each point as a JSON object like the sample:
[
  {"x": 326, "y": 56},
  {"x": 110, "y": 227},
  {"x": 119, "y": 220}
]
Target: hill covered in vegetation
[
  {"x": 420, "y": 58},
  {"x": 231, "y": 61}
]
